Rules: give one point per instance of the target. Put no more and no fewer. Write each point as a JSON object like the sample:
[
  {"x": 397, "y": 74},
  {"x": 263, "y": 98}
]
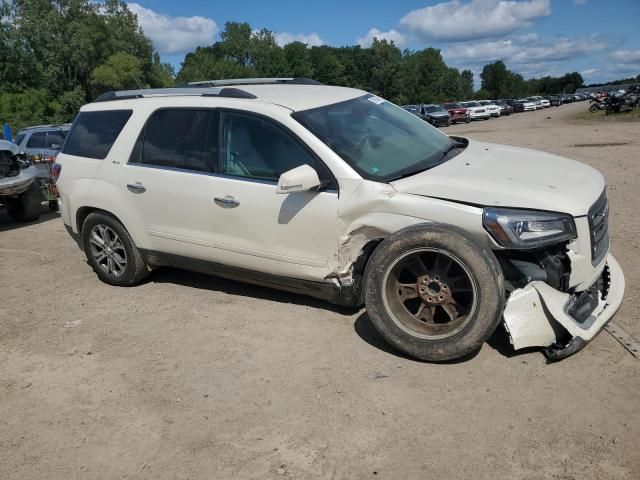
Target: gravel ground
[{"x": 188, "y": 376}]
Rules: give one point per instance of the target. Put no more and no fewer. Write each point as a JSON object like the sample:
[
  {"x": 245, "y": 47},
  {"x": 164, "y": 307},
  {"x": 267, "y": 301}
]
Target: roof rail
[
  {"x": 54, "y": 125},
  {"x": 255, "y": 81},
  {"x": 174, "y": 92}
]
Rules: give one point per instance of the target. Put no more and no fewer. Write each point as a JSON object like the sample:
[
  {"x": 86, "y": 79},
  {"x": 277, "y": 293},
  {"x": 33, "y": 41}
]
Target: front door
[{"x": 295, "y": 234}]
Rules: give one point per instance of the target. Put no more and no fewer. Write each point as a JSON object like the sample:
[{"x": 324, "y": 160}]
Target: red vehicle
[{"x": 457, "y": 112}]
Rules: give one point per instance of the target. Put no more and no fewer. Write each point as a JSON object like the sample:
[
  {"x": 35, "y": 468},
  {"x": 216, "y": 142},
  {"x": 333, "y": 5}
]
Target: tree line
[{"x": 56, "y": 55}]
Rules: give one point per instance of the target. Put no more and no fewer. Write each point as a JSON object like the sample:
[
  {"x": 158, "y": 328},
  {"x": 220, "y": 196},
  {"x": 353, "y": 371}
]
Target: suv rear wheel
[
  {"x": 433, "y": 293},
  {"x": 111, "y": 251}
]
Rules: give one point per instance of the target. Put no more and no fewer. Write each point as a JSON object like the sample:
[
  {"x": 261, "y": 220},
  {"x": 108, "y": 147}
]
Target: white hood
[{"x": 489, "y": 174}]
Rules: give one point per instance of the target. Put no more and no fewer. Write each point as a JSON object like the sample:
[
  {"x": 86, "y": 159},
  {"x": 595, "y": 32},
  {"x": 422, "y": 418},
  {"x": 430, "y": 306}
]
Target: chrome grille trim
[{"x": 598, "y": 217}]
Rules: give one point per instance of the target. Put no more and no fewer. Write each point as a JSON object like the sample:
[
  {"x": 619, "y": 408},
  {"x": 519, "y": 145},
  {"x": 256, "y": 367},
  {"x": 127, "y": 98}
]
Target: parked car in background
[
  {"x": 42, "y": 142},
  {"x": 536, "y": 102},
  {"x": 554, "y": 100},
  {"x": 516, "y": 105},
  {"x": 414, "y": 109},
  {"x": 505, "y": 108},
  {"x": 527, "y": 105},
  {"x": 19, "y": 192},
  {"x": 433, "y": 114},
  {"x": 492, "y": 108},
  {"x": 436, "y": 115},
  {"x": 457, "y": 112},
  {"x": 476, "y": 111}
]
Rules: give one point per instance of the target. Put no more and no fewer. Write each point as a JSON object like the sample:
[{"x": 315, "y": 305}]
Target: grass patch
[{"x": 599, "y": 116}]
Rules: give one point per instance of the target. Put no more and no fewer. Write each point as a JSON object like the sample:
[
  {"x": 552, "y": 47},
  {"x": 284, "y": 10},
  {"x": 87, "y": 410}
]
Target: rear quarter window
[{"x": 93, "y": 133}]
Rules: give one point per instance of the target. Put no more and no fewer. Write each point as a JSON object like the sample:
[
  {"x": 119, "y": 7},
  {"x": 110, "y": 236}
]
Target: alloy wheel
[
  {"x": 430, "y": 293},
  {"x": 108, "y": 250}
]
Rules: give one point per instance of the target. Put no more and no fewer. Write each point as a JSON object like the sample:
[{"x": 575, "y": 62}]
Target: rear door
[{"x": 167, "y": 180}]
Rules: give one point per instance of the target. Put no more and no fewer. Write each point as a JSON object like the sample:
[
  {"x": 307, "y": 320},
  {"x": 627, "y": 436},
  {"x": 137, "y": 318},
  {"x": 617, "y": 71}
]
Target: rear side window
[
  {"x": 179, "y": 138},
  {"x": 55, "y": 138},
  {"x": 37, "y": 140},
  {"x": 93, "y": 133}
]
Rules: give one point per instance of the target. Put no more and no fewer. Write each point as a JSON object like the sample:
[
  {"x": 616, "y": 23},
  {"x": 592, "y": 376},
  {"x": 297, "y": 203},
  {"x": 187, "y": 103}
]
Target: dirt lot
[{"x": 193, "y": 377}]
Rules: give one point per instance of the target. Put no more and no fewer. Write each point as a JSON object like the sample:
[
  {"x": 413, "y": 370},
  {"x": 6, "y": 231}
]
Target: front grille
[{"x": 599, "y": 229}]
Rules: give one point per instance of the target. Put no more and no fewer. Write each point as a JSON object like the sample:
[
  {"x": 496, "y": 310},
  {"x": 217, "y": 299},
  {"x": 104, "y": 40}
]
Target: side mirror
[{"x": 299, "y": 179}]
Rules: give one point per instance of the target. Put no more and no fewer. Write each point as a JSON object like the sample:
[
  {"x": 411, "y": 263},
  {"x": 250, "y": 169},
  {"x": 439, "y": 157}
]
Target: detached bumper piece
[{"x": 538, "y": 315}]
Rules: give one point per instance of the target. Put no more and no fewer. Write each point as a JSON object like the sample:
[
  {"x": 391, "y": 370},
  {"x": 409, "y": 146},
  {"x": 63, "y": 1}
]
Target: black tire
[
  {"x": 135, "y": 269},
  {"x": 28, "y": 206},
  {"x": 468, "y": 120},
  {"x": 484, "y": 276},
  {"x": 593, "y": 108},
  {"x": 53, "y": 205}
]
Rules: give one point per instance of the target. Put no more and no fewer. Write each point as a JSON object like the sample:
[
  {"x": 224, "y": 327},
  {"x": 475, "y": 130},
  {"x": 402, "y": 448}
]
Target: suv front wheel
[
  {"x": 433, "y": 293},
  {"x": 111, "y": 251}
]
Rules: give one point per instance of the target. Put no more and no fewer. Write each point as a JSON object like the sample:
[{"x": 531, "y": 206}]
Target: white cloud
[
  {"x": 390, "y": 36},
  {"x": 457, "y": 20},
  {"x": 524, "y": 50},
  {"x": 172, "y": 35},
  {"x": 589, "y": 72},
  {"x": 627, "y": 56},
  {"x": 311, "y": 39}
]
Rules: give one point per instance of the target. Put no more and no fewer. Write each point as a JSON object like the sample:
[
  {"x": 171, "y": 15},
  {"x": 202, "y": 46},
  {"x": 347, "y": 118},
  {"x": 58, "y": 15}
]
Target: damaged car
[
  {"x": 339, "y": 194},
  {"x": 19, "y": 192}
]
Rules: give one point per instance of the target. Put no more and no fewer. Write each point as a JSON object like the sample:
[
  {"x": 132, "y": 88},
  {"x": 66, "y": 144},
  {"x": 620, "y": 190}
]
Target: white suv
[{"x": 339, "y": 194}]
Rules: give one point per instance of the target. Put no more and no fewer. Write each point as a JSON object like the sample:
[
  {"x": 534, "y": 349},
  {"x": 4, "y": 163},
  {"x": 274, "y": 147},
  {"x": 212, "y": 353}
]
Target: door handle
[
  {"x": 227, "y": 202},
  {"x": 136, "y": 187}
]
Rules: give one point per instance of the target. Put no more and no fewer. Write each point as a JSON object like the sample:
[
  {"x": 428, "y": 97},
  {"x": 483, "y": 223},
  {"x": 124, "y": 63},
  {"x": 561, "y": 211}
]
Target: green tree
[
  {"x": 466, "y": 84},
  {"x": 297, "y": 57},
  {"x": 495, "y": 80},
  {"x": 266, "y": 56},
  {"x": 326, "y": 66},
  {"x": 121, "y": 71},
  {"x": 385, "y": 61}
]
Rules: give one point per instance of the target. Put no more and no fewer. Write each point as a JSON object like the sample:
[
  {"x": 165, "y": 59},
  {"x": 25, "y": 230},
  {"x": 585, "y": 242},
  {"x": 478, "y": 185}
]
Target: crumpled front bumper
[
  {"x": 537, "y": 315},
  {"x": 19, "y": 183}
]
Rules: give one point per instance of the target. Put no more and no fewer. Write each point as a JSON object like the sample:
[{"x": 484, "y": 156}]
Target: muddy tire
[
  {"x": 27, "y": 207},
  {"x": 433, "y": 293},
  {"x": 111, "y": 252}
]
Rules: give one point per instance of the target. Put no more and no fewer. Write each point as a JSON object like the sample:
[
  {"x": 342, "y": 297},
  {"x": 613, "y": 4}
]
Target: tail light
[{"x": 55, "y": 171}]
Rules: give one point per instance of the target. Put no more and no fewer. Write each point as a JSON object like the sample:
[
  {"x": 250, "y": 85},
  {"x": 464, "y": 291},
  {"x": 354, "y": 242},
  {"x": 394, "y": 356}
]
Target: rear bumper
[{"x": 537, "y": 315}]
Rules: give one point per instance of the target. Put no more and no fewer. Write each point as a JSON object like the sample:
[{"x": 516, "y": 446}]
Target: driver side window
[{"x": 253, "y": 147}]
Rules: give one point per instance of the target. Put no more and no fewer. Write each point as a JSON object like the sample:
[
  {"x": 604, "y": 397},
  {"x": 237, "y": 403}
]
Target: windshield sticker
[
  {"x": 376, "y": 100},
  {"x": 375, "y": 170}
]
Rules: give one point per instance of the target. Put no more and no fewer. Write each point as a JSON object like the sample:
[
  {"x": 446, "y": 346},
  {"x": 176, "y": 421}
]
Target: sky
[{"x": 598, "y": 38}]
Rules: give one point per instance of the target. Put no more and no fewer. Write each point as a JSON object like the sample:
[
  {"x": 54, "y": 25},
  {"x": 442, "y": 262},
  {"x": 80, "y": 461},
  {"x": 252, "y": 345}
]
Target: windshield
[
  {"x": 378, "y": 139},
  {"x": 432, "y": 108}
]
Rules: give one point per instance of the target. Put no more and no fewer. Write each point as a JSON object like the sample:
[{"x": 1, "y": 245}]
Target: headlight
[{"x": 526, "y": 229}]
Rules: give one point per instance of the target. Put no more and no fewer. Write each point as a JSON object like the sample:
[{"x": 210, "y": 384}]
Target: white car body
[
  {"x": 492, "y": 108},
  {"x": 476, "y": 111},
  {"x": 528, "y": 105},
  {"x": 317, "y": 237}
]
